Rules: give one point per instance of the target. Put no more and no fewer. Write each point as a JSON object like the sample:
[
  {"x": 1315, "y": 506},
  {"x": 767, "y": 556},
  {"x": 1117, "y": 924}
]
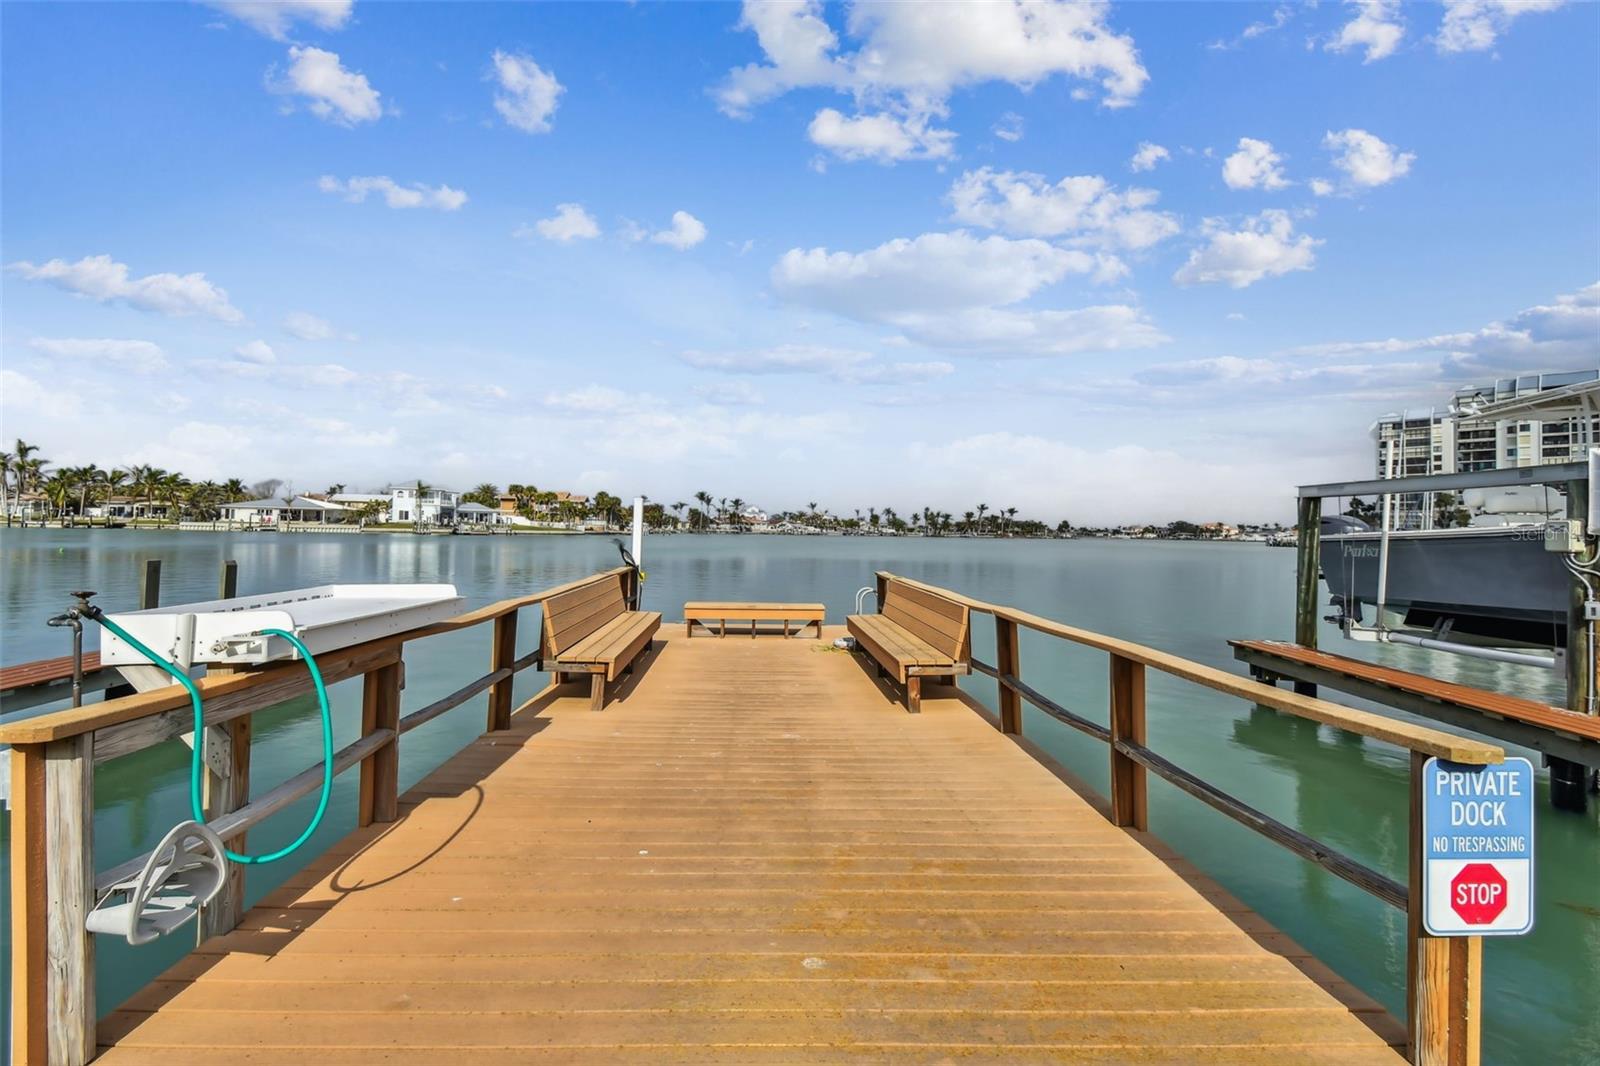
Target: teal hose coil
[{"x": 197, "y": 763}]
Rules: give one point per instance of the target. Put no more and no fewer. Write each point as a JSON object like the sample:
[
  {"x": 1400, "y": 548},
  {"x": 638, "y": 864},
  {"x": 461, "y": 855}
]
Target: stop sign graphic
[{"x": 1478, "y": 893}]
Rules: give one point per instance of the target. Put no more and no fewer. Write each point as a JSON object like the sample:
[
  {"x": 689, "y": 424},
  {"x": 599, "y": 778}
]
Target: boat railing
[
  {"x": 1443, "y": 974},
  {"x": 54, "y": 884}
]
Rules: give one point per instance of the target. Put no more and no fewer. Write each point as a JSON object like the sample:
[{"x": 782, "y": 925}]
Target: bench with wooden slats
[
  {"x": 915, "y": 634},
  {"x": 591, "y": 631}
]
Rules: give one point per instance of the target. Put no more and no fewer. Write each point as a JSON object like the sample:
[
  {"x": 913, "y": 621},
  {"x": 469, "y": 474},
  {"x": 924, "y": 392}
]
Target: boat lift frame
[{"x": 1569, "y": 779}]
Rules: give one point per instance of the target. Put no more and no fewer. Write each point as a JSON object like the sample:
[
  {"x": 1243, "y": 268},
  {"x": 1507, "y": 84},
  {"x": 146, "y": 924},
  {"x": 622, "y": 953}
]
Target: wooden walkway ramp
[{"x": 753, "y": 855}]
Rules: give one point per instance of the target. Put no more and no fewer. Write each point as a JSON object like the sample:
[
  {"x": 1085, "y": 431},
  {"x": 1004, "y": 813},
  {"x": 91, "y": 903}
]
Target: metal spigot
[{"x": 72, "y": 619}]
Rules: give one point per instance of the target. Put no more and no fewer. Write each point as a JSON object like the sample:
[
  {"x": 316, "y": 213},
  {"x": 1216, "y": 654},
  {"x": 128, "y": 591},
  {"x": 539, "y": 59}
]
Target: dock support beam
[
  {"x": 1569, "y": 781},
  {"x": 1444, "y": 975},
  {"x": 1008, "y": 664},
  {"x": 1307, "y": 561},
  {"x": 1128, "y": 804},
  {"x": 224, "y": 794},
  {"x": 380, "y": 771}
]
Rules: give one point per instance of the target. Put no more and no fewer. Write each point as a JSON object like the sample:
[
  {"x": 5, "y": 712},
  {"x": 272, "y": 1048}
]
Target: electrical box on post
[{"x": 1564, "y": 535}]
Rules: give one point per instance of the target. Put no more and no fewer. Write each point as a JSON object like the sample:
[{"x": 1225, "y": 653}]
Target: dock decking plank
[{"x": 754, "y": 856}]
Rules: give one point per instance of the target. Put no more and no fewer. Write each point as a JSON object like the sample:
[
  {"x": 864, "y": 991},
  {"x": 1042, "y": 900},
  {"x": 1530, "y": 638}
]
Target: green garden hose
[{"x": 197, "y": 762}]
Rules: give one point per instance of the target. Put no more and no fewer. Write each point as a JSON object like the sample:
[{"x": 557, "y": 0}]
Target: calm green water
[{"x": 1542, "y": 991}]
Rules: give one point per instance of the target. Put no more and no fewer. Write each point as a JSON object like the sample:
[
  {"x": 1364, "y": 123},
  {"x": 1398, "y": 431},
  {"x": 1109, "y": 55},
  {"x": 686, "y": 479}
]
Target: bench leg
[
  {"x": 597, "y": 691},
  {"x": 914, "y": 694},
  {"x": 688, "y": 628}
]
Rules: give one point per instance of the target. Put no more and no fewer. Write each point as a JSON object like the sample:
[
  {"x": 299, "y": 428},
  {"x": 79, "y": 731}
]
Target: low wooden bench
[
  {"x": 915, "y": 634},
  {"x": 702, "y": 614},
  {"x": 591, "y": 631}
]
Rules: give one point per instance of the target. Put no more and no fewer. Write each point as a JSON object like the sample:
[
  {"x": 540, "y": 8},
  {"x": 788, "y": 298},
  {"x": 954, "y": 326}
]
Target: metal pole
[{"x": 638, "y": 531}]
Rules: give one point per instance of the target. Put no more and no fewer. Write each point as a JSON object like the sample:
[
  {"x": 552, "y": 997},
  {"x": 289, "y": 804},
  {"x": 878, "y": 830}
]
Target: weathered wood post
[
  {"x": 150, "y": 585},
  {"x": 1008, "y": 664},
  {"x": 501, "y": 658},
  {"x": 226, "y": 789},
  {"x": 52, "y": 892},
  {"x": 1569, "y": 780},
  {"x": 228, "y": 581},
  {"x": 1308, "y": 541},
  {"x": 1444, "y": 975},
  {"x": 1128, "y": 802},
  {"x": 380, "y": 771}
]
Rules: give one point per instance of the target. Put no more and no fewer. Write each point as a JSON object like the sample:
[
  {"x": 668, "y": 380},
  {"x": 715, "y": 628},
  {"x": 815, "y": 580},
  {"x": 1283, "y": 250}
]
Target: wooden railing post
[
  {"x": 30, "y": 963},
  {"x": 228, "y": 580},
  {"x": 225, "y": 793},
  {"x": 68, "y": 850},
  {"x": 1444, "y": 975},
  {"x": 1128, "y": 805},
  {"x": 504, "y": 654},
  {"x": 380, "y": 771},
  {"x": 1008, "y": 664}
]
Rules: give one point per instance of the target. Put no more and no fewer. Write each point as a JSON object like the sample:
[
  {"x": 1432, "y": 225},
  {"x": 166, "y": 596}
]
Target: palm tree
[
  {"x": 705, "y": 499},
  {"x": 233, "y": 489},
  {"x": 7, "y": 463},
  {"x": 335, "y": 489},
  {"x": 678, "y": 507},
  {"x": 1011, "y": 513},
  {"x": 89, "y": 477},
  {"x": 982, "y": 507}
]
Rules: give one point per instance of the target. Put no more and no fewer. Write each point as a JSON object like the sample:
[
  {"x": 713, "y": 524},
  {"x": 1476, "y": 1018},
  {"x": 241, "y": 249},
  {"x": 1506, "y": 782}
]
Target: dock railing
[
  {"x": 54, "y": 883},
  {"x": 1443, "y": 974}
]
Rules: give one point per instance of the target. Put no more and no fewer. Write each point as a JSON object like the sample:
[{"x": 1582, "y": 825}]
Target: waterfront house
[
  {"x": 430, "y": 507},
  {"x": 356, "y": 501},
  {"x": 476, "y": 514},
  {"x": 270, "y": 512}
]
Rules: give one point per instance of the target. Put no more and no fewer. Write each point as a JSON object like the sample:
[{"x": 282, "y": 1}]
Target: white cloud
[
  {"x": 837, "y": 364},
  {"x": 1561, "y": 335},
  {"x": 1266, "y": 246},
  {"x": 1377, "y": 27},
  {"x": 25, "y": 394},
  {"x": 309, "y": 327},
  {"x": 570, "y": 223},
  {"x": 934, "y": 270},
  {"x": 686, "y": 232},
  {"x": 1323, "y": 187},
  {"x": 730, "y": 394},
  {"x": 528, "y": 93},
  {"x": 1051, "y": 479},
  {"x": 258, "y": 352},
  {"x": 1475, "y": 25},
  {"x": 882, "y": 138},
  {"x": 356, "y": 190},
  {"x": 1086, "y": 208},
  {"x": 139, "y": 357},
  {"x": 336, "y": 94},
  {"x": 1254, "y": 166},
  {"x": 276, "y": 18},
  {"x": 1281, "y": 15},
  {"x": 953, "y": 290},
  {"x": 910, "y": 57},
  {"x": 1010, "y": 127},
  {"x": 1366, "y": 160},
  {"x": 1147, "y": 156},
  {"x": 101, "y": 278}
]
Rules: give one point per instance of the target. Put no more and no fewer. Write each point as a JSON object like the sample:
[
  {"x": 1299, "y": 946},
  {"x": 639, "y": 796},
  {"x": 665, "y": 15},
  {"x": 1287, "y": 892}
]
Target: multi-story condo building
[{"x": 1482, "y": 429}]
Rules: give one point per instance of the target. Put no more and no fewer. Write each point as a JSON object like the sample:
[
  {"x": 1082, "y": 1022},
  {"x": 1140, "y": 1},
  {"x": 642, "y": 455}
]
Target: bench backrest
[
  {"x": 571, "y": 616},
  {"x": 943, "y": 623}
]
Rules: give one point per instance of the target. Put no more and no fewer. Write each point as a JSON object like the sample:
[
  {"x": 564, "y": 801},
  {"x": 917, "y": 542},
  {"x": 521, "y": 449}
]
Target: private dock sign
[{"x": 1477, "y": 838}]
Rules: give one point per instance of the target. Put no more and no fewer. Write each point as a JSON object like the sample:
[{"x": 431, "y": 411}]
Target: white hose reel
[{"x": 184, "y": 873}]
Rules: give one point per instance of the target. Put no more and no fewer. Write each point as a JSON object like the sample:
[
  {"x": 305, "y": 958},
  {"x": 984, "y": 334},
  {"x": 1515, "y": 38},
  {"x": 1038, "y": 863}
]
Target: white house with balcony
[{"x": 433, "y": 507}]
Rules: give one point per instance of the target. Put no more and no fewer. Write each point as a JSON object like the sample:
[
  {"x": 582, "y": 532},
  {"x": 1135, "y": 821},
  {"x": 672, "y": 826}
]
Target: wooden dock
[{"x": 753, "y": 855}]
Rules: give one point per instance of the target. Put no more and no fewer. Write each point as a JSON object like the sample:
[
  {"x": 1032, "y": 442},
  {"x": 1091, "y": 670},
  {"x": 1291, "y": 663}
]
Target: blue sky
[{"x": 1102, "y": 262}]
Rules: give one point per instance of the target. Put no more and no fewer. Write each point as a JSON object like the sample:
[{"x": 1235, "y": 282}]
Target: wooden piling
[
  {"x": 150, "y": 585},
  {"x": 228, "y": 581},
  {"x": 1569, "y": 780},
  {"x": 1307, "y": 563}
]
